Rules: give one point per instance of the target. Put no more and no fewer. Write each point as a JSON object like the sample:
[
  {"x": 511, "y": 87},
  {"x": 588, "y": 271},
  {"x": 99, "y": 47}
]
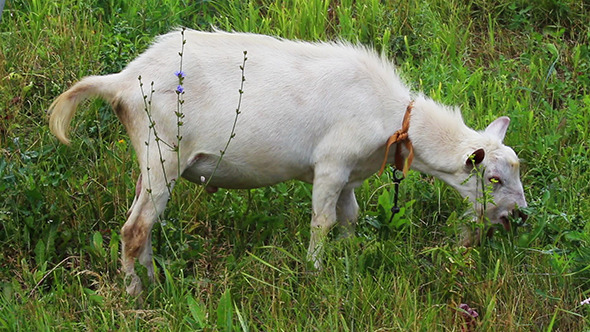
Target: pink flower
[
  {"x": 586, "y": 301},
  {"x": 468, "y": 312}
]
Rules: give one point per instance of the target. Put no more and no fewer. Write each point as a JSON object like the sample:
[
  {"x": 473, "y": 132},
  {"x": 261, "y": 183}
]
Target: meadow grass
[{"x": 235, "y": 260}]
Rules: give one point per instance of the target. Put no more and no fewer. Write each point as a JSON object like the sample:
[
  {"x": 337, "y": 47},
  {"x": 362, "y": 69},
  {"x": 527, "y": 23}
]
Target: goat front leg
[
  {"x": 327, "y": 186},
  {"x": 347, "y": 210}
]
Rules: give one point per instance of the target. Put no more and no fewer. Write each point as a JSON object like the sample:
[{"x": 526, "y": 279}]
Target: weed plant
[{"x": 236, "y": 259}]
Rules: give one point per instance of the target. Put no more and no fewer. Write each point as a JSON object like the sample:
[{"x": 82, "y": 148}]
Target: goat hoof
[{"x": 133, "y": 287}]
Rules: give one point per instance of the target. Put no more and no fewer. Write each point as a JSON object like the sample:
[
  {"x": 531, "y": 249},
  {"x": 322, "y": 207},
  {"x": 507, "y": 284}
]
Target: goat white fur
[{"x": 317, "y": 112}]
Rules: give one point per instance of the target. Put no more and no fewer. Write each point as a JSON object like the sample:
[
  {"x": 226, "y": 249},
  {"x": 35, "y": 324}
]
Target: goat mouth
[
  {"x": 520, "y": 214},
  {"x": 517, "y": 217},
  {"x": 505, "y": 223}
]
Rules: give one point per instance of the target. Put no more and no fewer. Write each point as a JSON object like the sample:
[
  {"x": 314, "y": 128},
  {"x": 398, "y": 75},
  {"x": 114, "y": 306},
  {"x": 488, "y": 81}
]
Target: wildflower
[
  {"x": 469, "y": 316},
  {"x": 179, "y": 74},
  {"x": 121, "y": 141},
  {"x": 469, "y": 313},
  {"x": 203, "y": 180},
  {"x": 179, "y": 89},
  {"x": 586, "y": 301}
]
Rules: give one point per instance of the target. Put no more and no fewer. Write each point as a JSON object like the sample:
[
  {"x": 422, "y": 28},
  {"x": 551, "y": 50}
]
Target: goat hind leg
[
  {"x": 137, "y": 192},
  {"x": 136, "y": 236},
  {"x": 145, "y": 258}
]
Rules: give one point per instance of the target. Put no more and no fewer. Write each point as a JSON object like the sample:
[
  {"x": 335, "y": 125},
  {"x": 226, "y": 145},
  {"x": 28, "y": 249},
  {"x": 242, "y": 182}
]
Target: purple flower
[
  {"x": 469, "y": 313},
  {"x": 179, "y": 89},
  {"x": 179, "y": 74},
  {"x": 586, "y": 301}
]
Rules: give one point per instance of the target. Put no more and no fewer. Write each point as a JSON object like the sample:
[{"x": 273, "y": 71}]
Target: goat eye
[{"x": 495, "y": 179}]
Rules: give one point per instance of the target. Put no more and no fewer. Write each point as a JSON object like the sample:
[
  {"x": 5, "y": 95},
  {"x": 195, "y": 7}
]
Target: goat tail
[{"x": 63, "y": 107}]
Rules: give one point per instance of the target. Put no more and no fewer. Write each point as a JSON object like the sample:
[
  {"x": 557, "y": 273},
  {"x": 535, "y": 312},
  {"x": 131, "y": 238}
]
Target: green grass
[{"x": 236, "y": 260}]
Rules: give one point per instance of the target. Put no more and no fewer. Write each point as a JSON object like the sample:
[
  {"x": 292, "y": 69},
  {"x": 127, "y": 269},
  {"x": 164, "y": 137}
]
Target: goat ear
[
  {"x": 475, "y": 158},
  {"x": 498, "y": 127}
]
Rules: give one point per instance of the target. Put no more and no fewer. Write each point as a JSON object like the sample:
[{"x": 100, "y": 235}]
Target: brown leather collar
[{"x": 401, "y": 136}]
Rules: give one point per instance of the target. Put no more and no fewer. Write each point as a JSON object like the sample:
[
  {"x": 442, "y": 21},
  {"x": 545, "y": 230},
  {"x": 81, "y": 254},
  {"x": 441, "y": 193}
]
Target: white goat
[{"x": 316, "y": 112}]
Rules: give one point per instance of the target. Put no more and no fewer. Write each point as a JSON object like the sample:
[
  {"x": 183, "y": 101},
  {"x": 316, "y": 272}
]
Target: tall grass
[{"x": 235, "y": 260}]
